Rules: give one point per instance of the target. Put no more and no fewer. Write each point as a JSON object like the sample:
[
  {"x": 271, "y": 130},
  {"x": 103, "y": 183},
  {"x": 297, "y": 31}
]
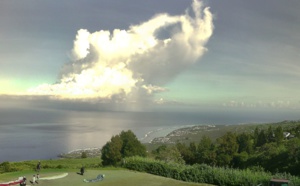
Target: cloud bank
[{"x": 136, "y": 63}]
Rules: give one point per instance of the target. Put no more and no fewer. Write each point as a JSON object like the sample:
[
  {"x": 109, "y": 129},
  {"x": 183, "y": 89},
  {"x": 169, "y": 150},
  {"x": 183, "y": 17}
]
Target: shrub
[
  {"x": 59, "y": 167},
  {"x": 8, "y": 167},
  {"x": 203, "y": 173},
  {"x": 83, "y": 155}
]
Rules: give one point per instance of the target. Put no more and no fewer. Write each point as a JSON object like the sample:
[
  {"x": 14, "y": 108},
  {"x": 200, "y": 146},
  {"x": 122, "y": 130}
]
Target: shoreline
[{"x": 77, "y": 153}]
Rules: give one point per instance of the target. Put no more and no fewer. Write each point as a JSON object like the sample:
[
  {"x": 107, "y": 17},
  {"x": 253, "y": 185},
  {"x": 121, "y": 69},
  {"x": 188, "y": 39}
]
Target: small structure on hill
[{"x": 279, "y": 182}]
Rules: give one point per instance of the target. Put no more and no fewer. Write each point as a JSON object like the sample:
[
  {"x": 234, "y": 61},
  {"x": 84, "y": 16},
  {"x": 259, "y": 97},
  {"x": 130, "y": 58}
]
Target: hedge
[{"x": 204, "y": 173}]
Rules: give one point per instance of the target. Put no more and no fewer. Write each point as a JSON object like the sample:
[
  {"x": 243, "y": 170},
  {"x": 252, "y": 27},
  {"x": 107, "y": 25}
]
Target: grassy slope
[{"x": 112, "y": 177}]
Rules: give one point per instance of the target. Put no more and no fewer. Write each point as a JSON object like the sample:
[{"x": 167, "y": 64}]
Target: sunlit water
[{"x": 77, "y": 130}]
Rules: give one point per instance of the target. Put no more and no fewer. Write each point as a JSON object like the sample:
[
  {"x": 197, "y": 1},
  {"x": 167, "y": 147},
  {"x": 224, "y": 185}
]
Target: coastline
[{"x": 77, "y": 153}]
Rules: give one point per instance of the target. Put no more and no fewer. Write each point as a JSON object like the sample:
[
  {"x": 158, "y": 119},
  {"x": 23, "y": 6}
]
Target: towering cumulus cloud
[{"x": 124, "y": 64}]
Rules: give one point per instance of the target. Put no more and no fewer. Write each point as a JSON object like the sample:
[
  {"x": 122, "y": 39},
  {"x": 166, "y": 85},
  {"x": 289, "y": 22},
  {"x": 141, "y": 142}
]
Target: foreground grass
[{"x": 112, "y": 177}]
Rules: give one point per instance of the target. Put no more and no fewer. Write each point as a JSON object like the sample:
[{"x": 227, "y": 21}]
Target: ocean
[{"x": 78, "y": 130}]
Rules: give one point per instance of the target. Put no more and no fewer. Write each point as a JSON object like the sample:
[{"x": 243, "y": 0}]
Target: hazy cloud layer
[{"x": 129, "y": 64}]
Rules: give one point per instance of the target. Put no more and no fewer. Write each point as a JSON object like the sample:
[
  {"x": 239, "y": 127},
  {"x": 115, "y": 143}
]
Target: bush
[
  {"x": 83, "y": 155},
  {"x": 59, "y": 167},
  {"x": 7, "y": 167},
  {"x": 203, "y": 173}
]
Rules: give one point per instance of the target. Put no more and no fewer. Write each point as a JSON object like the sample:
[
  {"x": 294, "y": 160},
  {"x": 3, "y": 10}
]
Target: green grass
[
  {"x": 112, "y": 177},
  {"x": 54, "y": 164}
]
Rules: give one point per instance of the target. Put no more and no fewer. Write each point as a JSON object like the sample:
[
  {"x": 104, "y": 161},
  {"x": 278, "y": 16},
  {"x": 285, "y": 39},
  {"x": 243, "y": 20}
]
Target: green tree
[
  {"x": 83, "y": 154},
  {"x": 206, "y": 152},
  {"x": 168, "y": 154},
  {"x": 6, "y": 166},
  {"x": 240, "y": 159},
  {"x": 297, "y": 131},
  {"x": 293, "y": 147},
  {"x": 193, "y": 150},
  {"x": 270, "y": 135},
  {"x": 159, "y": 149},
  {"x": 123, "y": 145},
  {"x": 227, "y": 146},
  {"x": 185, "y": 152},
  {"x": 272, "y": 157},
  {"x": 131, "y": 146},
  {"x": 224, "y": 159},
  {"x": 245, "y": 143},
  {"x": 255, "y": 136},
  {"x": 261, "y": 139},
  {"x": 279, "y": 135},
  {"x": 111, "y": 151}
]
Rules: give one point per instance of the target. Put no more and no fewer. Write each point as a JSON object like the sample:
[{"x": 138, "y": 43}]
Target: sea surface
[{"x": 26, "y": 139}]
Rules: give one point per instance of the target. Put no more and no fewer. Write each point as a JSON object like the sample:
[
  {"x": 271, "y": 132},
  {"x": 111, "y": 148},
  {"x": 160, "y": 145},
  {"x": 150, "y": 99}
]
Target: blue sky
[{"x": 250, "y": 60}]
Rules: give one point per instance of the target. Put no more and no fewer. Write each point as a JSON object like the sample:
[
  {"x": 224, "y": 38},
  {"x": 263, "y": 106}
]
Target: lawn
[{"x": 112, "y": 177}]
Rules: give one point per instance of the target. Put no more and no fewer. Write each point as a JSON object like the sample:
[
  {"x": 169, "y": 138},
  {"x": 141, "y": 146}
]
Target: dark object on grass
[
  {"x": 38, "y": 167},
  {"x": 81, "y": 171},
  {"x": 100, "y": 177},
  {"x": 23, "y": 183}
]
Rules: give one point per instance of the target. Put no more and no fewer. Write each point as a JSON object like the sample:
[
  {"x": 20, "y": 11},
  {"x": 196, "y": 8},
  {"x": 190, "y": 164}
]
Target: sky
[{"x": 138, "y": 55}]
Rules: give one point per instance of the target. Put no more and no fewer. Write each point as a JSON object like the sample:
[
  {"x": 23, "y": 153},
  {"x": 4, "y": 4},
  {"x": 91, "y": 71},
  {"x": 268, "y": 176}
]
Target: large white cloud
[{"x": 139, "y": 61}]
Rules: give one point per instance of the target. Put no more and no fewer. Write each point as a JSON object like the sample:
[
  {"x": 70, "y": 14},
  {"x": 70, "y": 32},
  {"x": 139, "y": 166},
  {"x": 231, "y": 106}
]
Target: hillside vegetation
[
  {"x": 195, "y": 133},
  {"x": 270, "y": 147},
  {"x": 239, "y": 155}
]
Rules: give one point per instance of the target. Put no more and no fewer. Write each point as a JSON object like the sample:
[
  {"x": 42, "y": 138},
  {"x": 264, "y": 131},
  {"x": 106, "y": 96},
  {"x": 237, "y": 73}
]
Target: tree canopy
[{"x": 120, "y": 146}]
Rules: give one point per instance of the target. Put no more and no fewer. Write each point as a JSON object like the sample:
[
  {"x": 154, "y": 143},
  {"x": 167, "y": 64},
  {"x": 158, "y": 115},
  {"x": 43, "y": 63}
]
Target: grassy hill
[{"x": 113, "y": 176}]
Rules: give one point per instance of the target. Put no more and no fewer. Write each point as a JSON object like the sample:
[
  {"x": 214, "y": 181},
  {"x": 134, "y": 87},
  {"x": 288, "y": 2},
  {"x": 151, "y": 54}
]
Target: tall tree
[
  {"x": 255, "y": 135},
  {"x": 168, "y": 154},
  {"x": 123, "y": 145},
  {"x": 293, "y": 147},
  {"x": 111, "y": 151},
  {"x": 131, "y": 145},
  {"x": 270, "y": 134},
  {"x": 193, "y": 149},
  {"x": 185, "y": 152},
  {"x": 206, "y": 152},
  {"x": 297, "y": 131},
  {"x": 261, "y": 139},
  {"x": 240, "y": 159},
  {"x": 227, "y": 146},
  {"x": 245, "y": 143},
  {"x": 279, "y": 135}
]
